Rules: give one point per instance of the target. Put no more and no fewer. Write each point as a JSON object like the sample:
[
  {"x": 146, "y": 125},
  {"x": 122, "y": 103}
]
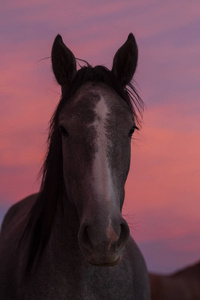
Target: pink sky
[{"x": 162, "y": 192}]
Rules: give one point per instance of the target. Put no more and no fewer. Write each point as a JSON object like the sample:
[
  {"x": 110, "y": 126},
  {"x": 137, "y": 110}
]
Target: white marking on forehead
[{"x": 102, "y": 108}]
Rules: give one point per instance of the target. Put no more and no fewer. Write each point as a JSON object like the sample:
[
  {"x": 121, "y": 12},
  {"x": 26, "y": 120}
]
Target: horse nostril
[
  {"x": 84, "y": 239},
  {"x": 125, "y": 231},
  {"x": 124, "y": 236}
]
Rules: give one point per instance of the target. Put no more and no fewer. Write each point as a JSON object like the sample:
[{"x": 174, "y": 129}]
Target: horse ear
[
  {"x": 63, "y": 62},
  {"x": 125, "y": 60}
]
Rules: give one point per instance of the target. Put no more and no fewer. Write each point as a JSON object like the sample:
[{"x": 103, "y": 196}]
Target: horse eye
[
  {"x": 63, "y": 131},
  {"x": 132, "y": 130}
]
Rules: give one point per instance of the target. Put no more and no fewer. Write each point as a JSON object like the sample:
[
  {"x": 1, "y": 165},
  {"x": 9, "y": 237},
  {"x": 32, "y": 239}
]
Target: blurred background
[{"x": 162, "y": 202}]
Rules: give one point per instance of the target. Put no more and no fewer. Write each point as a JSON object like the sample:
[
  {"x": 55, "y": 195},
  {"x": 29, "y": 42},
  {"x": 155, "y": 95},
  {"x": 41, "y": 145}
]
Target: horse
[
  {"x": 181, "y": 285},
  {"x": 70, "y": 241}
]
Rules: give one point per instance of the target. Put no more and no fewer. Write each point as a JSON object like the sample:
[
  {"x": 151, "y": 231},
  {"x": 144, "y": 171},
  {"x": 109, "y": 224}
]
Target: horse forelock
[{"x": 101, "y": 74}]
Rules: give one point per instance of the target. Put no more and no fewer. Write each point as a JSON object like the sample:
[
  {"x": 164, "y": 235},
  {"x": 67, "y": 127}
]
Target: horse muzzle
[{"x": 103, "y": 246}]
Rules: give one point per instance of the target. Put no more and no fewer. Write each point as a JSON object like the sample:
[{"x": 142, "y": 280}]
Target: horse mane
[{"x": 41, "y": 216}]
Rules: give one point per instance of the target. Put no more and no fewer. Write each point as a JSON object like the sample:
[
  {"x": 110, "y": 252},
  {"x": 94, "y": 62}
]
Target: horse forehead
[
  {"x": 93, "y": 102},
  {"x": 92, "y": 107},
  {"x": 91, "y": 94}
]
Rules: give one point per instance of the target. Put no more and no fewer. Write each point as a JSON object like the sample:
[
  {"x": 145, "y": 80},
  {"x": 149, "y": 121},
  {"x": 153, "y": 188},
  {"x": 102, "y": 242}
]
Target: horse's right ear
[{"x": 63, "y": 62}]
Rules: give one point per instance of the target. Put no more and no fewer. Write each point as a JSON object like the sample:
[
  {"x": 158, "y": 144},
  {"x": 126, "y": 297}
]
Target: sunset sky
[{"x": 162, "y": 202}]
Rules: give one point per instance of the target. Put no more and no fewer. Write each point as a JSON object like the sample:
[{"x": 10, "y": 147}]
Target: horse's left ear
[
  {"x": 63, "y": 62},
  {"x": 125, "y": 61}
]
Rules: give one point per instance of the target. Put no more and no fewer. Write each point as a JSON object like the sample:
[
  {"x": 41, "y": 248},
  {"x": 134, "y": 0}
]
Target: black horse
[{"x": 70, "y": 240}]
